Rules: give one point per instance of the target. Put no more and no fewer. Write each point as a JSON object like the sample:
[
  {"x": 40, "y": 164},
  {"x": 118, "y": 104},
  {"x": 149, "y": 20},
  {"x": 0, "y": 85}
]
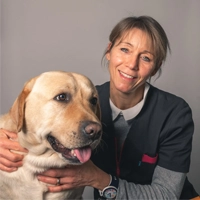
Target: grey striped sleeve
[{"x": 166, "y": 184}]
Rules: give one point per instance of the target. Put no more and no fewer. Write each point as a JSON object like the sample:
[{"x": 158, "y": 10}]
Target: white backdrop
[{"x": 71, "y": 35}]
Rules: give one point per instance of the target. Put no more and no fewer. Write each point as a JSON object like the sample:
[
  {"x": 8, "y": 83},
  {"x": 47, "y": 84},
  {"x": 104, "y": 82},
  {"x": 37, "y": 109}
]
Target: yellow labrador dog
[{"x": 57, "y": 117}]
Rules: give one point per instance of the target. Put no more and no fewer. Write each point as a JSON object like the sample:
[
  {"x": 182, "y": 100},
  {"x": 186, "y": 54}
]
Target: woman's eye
[
  {"x": 145, "y": 58},
  {"x": 62, "y": 97},
  {"x": 125, "y": 50},
  {"x": 93, "y": 101}
]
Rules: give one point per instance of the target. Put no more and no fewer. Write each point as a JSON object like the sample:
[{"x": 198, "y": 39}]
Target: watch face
[{"x": 110, "y": 193}]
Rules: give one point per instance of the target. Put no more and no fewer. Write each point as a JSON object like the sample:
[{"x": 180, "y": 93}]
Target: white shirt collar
[{"x": 130, "y": 112}]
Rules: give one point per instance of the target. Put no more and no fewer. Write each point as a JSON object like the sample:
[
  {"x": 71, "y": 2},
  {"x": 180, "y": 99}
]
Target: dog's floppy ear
[{"x": 17, "y": 110}]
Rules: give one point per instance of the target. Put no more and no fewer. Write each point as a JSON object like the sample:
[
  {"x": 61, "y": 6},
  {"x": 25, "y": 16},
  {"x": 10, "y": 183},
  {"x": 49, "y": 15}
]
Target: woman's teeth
[{"x": 126, "y": 75}]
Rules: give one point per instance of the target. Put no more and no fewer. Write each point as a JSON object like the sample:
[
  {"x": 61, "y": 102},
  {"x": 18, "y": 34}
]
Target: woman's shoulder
[
  {"x": 166, "y": 103},
  {"x": 166, "y": 97}
]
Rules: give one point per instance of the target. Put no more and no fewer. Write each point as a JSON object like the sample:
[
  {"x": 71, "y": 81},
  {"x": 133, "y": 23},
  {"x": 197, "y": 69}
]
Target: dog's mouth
[{"x": 77, "y": 155}]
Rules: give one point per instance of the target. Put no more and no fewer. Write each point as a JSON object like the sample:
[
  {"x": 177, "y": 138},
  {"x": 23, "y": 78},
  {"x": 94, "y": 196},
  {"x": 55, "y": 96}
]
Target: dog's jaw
[{"x": 75, "y": 155}]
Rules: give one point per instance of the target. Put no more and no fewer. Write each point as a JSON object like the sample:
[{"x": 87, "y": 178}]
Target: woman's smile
[{"x": 128, "y": 77}]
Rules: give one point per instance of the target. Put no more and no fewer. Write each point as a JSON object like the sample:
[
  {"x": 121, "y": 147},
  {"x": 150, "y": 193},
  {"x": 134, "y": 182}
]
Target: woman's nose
[{"x": 132, "y": 62}]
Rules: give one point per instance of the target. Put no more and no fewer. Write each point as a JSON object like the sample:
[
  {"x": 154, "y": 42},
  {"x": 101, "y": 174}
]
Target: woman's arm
[{"x": 166, "y": 184}]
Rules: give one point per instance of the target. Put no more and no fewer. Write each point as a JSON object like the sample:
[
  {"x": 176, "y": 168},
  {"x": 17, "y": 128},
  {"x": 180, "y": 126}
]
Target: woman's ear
[{"x": 108, "y": 51}]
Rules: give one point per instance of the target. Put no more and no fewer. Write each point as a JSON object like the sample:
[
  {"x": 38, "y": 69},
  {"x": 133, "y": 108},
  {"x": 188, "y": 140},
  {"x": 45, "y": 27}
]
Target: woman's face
[{"x": 131, "y": 62}]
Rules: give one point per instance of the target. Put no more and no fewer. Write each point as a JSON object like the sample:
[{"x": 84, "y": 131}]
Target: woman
[{"x": 147, "y": 140}]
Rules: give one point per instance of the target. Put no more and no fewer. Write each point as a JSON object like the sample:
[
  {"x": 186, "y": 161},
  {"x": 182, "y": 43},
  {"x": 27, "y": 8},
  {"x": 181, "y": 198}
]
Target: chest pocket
[
  {"x": 139, "y": 156},
  {"x": 136, "y": 166}
]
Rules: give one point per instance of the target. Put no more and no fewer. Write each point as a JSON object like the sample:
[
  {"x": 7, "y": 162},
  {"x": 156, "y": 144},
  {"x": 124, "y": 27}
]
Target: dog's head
[{"x": 57, "y": 114}]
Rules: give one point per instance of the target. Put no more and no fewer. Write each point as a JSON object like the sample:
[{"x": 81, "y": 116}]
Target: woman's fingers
[
  {"x": 47, "y": 179},
  {"x": 8, "y": 134},
  {"x": 9, "y": 160},
  {"x": 17, "y": 147},
  {"x": 59, "y": 188},
  {"x": 6, "y": 148},
  {"x": 6, "y": 165},
  {"x": 12, "y": 145},
  {"x": 8, "y": 140},
  {"x": 7, "y": 169},
  {"x": 64, "y": 183},
  {"x": 69, "y": 177},
  {"x": 59, "y": 172}
]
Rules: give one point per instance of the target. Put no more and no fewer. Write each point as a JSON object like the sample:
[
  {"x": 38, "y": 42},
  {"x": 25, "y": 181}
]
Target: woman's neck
[{"x": 124, "y": 101}]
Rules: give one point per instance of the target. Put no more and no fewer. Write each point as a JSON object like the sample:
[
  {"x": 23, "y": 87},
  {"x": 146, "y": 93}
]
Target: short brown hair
[{"x": 151, "y": 27}]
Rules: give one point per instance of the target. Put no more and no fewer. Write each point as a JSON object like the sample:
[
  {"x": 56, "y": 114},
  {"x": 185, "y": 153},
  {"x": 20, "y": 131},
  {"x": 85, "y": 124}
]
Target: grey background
[{"x": 71, "y": 35}]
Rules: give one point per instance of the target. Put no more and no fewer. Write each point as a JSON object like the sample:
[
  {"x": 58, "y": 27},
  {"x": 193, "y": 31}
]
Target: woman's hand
[
  {"x": 10, "y": 161},
  {"x": 75, "y": 176}
]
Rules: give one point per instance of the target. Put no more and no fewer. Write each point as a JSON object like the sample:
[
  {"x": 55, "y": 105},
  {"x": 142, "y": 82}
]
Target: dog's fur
[{"x": 55, "y": 113}]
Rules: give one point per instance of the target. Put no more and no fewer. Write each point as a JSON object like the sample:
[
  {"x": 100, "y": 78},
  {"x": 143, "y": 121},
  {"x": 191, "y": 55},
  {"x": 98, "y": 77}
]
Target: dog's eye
[
  {"x": 62, "y": 97},
  {"x": 93, "y": 101}
]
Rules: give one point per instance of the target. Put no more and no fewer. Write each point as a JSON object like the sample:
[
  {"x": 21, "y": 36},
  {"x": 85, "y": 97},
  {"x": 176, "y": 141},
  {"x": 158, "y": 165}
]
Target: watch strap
[{"x": 113, "y": 185}]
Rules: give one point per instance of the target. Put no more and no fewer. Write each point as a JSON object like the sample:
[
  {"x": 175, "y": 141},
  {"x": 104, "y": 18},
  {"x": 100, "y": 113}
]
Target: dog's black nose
[{"x": 92, "y": 129}]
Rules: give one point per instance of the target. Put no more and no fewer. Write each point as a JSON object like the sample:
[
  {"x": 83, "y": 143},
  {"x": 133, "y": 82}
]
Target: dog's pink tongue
[{"x": 83, "y": 154}]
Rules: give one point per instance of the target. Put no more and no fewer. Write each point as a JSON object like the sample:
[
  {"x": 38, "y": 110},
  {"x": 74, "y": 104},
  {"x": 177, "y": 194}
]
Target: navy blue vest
[{"x": 142, "y": 142}]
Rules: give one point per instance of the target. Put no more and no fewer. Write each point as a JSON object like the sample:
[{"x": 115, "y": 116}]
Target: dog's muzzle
[{"x": 90, "y": 135}]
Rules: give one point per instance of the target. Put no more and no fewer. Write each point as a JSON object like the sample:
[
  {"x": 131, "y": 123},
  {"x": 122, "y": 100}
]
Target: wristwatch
[{"x": 110, "y": 192}]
